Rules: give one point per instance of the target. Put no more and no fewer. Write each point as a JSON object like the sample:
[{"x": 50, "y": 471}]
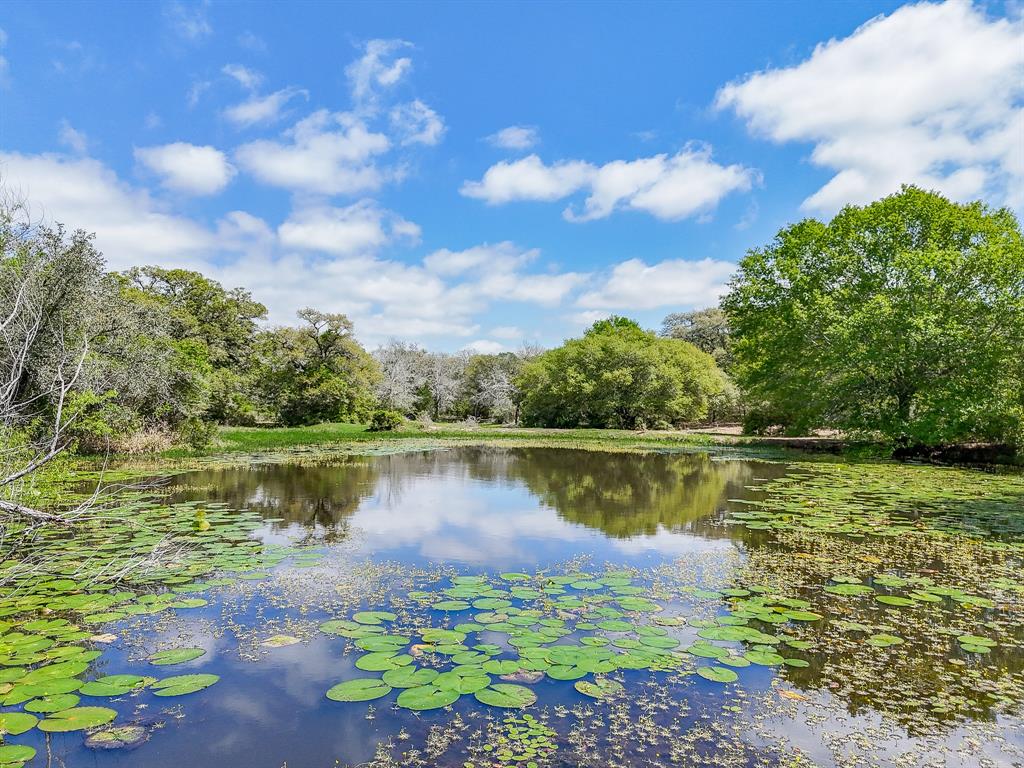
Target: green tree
[
  {"x": 224, "y": 321},
  {"x": 317, "y": 372},
  {"x": 618, "y": 375},
  {"x": 706, "y": 329},
  {"x": 217, "y": 328},
  {"x": 903, "y": 318}
]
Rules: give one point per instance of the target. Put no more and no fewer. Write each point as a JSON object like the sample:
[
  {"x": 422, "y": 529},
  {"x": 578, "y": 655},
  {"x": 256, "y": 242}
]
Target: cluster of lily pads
[
  {"x": 51, "y": 613},
  {"x": 882, "y": 499},
  {"x": 575, "y": 627},
  {"x": 520, "y": 740}
]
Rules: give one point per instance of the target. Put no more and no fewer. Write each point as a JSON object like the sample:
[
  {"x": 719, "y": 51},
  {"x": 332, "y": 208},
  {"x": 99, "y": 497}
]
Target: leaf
[
  {"x": 183, "y": 684},
  {"x": 53, "y": 703},
  {"x": 373, "y": 617},
  {"x": 765, "y": 658},
  {"x": 77, "y": 719},
  {"x": 599, "y": 689},
  {"x": 362, "y": 689},
  {"x": 717, "y": 674},
  {"x": 426, "y": 697},
  {"x": 15, "y": 754},
  {"x": 16, "y": 723},
  {"x": 175, "y": 656},
  {"x": 280, "y": 641},
  {"x": 114, "y": 685},
  {"x": 409, "y": 677},
  {"x": 383, "y": 661},
  {"x": 506, "y": 695}
]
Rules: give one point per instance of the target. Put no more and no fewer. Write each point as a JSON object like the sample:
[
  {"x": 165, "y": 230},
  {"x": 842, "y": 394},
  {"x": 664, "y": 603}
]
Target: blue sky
[{"x": 483, "y": 174}]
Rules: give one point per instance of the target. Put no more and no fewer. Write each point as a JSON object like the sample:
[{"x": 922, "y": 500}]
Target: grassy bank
[
  {"x": 233, "y": 440},
  {"x": 254, "y": 439}
]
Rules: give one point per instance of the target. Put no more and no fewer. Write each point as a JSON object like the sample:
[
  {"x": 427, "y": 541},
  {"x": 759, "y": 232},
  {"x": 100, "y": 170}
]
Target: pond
[{"x": 489, "y": 606}]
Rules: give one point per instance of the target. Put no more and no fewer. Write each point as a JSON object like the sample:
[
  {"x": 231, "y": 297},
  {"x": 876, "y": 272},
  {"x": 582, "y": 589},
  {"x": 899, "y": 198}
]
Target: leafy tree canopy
[
  {"x": 618, "y": 375},
  {"x": 904, "y": 317},
  {"x": 706, "y": 329},
  {"x": 316, "y": 372}
]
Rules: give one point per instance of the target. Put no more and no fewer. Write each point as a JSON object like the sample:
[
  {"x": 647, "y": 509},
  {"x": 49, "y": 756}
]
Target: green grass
[{"x": 254, "y": 439}]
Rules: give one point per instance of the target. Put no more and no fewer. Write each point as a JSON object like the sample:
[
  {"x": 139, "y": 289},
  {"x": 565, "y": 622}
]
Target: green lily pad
[
  {"x": 362, "y": 689},
  {"x": 77, "y": 719},
  {"x": 175, "y": 656},
  {"x": 599, "y": 689},
  {"x": 426, "y": 697},
  {"x": 504, "y": 667},
  {"x": 183, "y": 684},
  {"x": 54, "y": 703},
  {"x": 373, "y": 617},
  {"x": 15, "y": 754},
  {"x": 382, "y": 643},
  {"x": 16, "y": 723},
  {"x": 114, "y": 685},
  {"x": 895, "y": 601},
  {"x": 717, "y": 674},
  {"x": 383, "y": 661},
  {"x": 506, "y": 695},
  {"x": 409, "y": 677}
]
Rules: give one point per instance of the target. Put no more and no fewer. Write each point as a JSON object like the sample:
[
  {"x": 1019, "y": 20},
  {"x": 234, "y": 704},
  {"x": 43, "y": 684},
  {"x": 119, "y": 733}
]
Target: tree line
[{"x": 901, "y": 320}]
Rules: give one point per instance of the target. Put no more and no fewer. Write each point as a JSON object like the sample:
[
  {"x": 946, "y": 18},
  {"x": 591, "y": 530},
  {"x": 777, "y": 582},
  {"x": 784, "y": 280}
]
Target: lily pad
[
  {"x": 717, "y": 674},
  {"x": 507, "y": 695},
  {"x": 77, "y": 719},
  {"x": 175, "y": 656},
  {"x": 373, "y": 617},
  {"x": 426, "y": 697},
  {"x": 362, "y": 689},
  {"x": 183, "y": 684},
  {"x": 409, "y": 677},
  {"x": 15, "y": 754},
  {"x": 280, "y": 641},
  {"x": 15, "y": 723},
  {"x": 599, "y": 689},
  {"x": 120, "y": 737}
]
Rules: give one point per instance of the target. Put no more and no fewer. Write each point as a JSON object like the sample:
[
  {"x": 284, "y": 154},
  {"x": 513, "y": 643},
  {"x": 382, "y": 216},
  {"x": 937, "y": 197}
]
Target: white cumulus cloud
[
  {"x": 930, "y": 94},
  {"x": 668, "y": 187},
  {"x": 326, "y": 153},
  {"x": 188, "y": 168},
  {"x": 515, "y": 137},
  {"x": 416, "y": 123},
  {"x": 529, "y": 179},
  {"x": 360, "y": 228},
  {"x": 247, "y": 78},
  {"x": 264, "y": 109},
  {"x": 636, "y": 285},
  {"x": 378, "y": 67}
]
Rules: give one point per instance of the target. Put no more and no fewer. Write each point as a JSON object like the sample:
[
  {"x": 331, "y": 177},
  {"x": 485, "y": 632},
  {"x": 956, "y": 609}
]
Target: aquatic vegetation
[
  {"x": 566, "y": 627},
  {"x": 519, "y": 740},
  {"x": 868, "y": 587}
]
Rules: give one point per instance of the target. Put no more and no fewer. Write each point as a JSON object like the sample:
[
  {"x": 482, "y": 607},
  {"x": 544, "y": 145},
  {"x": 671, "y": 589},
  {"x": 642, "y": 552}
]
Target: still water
[{"x": 393, "y": 532}]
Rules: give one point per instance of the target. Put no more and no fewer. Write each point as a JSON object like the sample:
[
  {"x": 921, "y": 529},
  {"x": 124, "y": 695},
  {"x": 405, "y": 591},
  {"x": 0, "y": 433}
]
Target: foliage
[
  {"x": 316, "y": 372},
  {"x": 384, "y": 420},
  {"x": 618, "y": 375},
  {"x": 903, "y": 318},
  {"x": 706, "y": 329}
]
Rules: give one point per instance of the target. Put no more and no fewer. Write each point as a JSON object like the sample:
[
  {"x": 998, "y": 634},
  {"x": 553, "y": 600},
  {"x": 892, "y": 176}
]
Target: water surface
[{"x": 390, "y": 524}]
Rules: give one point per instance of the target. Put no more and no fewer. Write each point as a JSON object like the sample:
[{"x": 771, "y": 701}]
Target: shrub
[
  {"x": 384, "y": 420},
  {"x": 197, "y": 434}
]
